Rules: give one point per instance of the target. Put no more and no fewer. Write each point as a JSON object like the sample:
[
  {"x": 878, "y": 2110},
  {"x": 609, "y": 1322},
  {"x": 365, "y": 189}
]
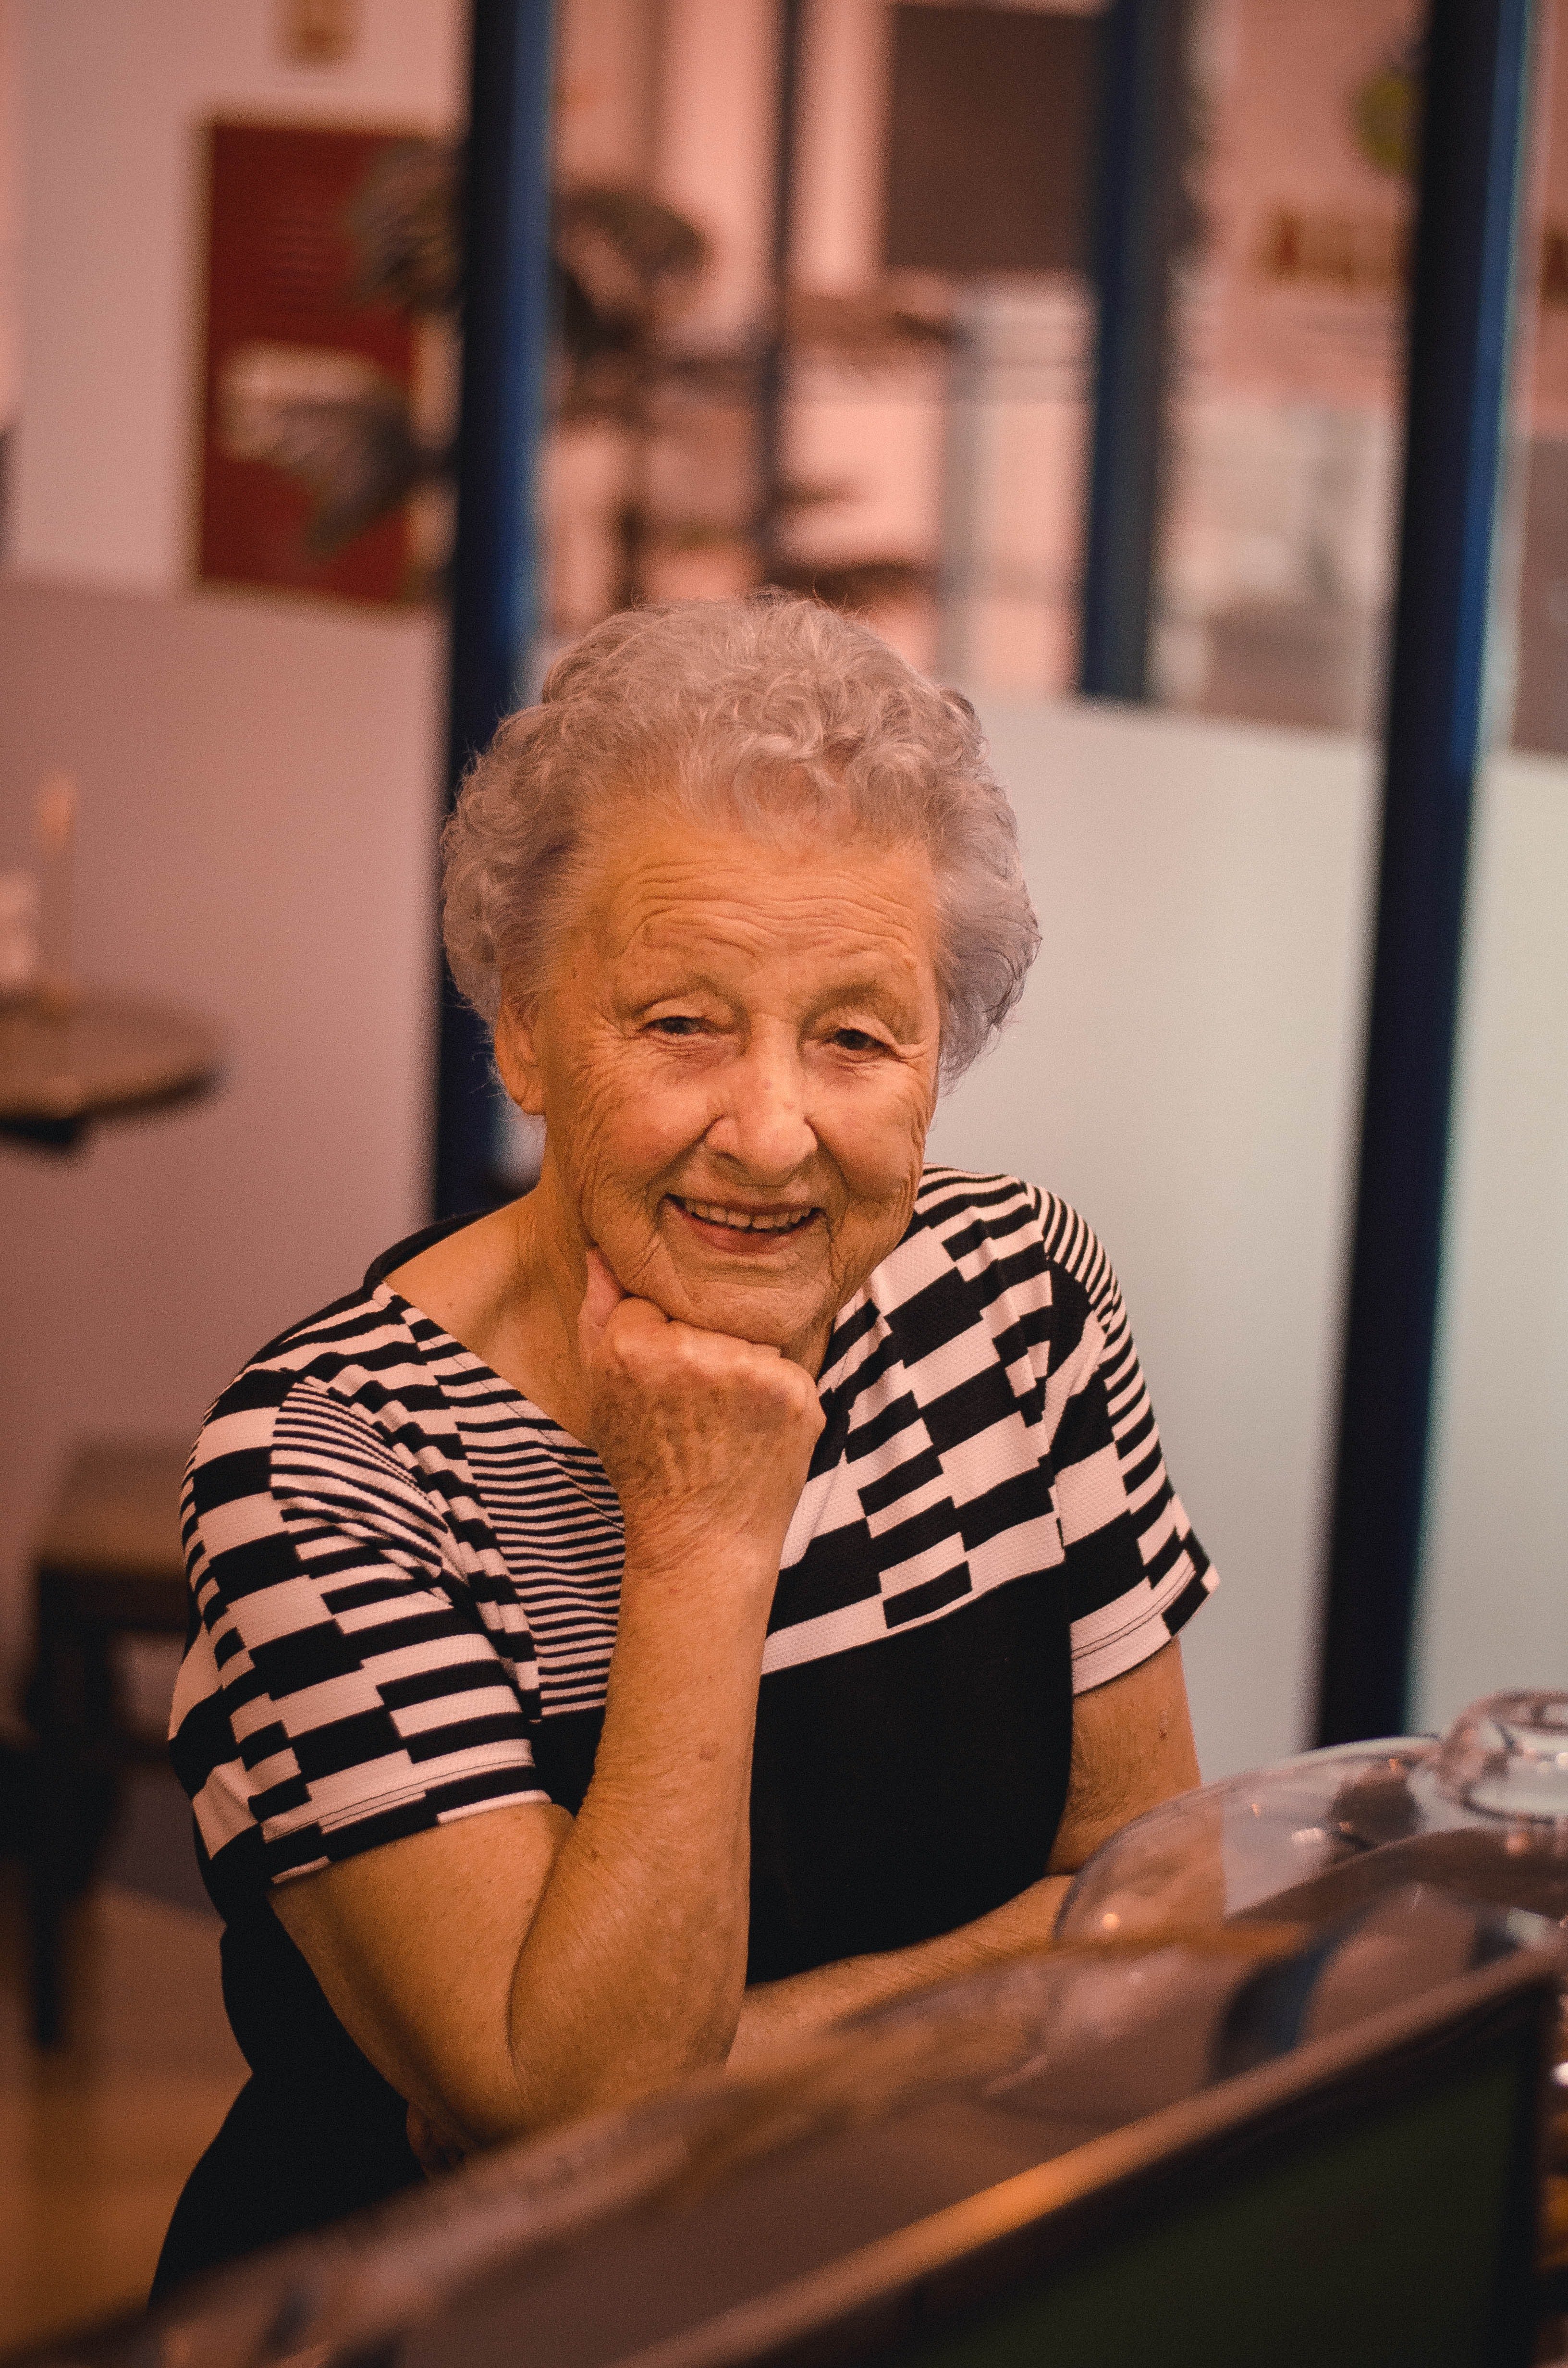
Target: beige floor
[{"x": 97, "y": 2139}]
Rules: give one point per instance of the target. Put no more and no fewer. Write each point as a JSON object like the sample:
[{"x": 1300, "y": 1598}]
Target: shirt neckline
[
  {"x": 459, "y": 1351},
  {"x": 561, "y": 1445}
]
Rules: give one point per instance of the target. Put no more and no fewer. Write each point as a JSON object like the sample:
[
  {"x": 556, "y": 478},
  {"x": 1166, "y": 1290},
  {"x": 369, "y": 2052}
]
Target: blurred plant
[
  {"x": 857, "y": 585},
  {"x": 624, "y": 267},
  {"x": 868, "y": 326},
  {"x": 404, "y": 222},
  {"x": 329, "y": 418},
  {"x": 335, "y": 422}
]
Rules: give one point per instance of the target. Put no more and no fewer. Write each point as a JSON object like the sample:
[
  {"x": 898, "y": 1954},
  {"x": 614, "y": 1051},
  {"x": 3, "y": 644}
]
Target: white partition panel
[
  {"x": 1184, "y": 1068},
  {"x": 1493, "y": 1609}
]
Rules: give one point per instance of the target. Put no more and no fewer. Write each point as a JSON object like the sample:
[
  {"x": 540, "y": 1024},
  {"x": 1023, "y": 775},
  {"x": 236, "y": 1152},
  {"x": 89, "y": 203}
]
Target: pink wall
[
  {"x": 258, "y": 808},
  {"x": 258, "y": 777}
]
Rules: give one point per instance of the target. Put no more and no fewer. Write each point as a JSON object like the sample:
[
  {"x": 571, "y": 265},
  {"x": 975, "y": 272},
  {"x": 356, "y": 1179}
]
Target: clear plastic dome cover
[{"x": 1482, "y": 1811}]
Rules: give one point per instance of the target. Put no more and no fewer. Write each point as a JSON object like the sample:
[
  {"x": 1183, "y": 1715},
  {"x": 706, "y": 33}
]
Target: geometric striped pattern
[
  {"x": 399, "y": 1567},
  {"x": 993, "y": 1344}
]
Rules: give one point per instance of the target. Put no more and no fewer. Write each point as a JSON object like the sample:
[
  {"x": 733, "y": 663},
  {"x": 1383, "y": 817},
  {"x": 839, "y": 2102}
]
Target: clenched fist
[{"x": 707, "y": 1439}]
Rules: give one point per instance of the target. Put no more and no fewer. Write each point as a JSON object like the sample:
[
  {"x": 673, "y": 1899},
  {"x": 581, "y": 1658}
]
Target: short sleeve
[
  {"x": 347, "y": 1683},
  {"x": 1135, "y": 1571}
]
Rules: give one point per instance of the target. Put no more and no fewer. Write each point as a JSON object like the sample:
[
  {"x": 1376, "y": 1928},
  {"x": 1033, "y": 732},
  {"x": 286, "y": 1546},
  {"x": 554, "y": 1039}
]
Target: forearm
[
  {"x": 806, "y": 2002},
  {"x": 634, "y": 1970},
  {"x": 511, "y": 1971}
]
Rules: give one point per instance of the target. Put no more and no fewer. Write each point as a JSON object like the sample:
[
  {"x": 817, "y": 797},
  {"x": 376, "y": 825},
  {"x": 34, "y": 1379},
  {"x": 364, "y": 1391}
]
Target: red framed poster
[{"x": 320, "y": 456}]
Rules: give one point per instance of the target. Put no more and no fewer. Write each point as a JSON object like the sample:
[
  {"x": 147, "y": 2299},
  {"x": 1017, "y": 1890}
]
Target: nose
[{"x": 763, "y": 1127}]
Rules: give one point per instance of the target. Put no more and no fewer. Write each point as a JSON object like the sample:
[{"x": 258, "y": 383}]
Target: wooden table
[{"x": 106, "y": 1055}]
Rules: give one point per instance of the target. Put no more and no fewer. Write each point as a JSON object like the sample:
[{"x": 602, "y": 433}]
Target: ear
[{"x": 516, "y": 1054}]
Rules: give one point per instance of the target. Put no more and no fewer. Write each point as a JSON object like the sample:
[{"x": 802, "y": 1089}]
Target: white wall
[
  {"x": 113, "y": 94},
  {"x": 1493, "y": 1607},
  {"x": 836, "y": 234},
  {"x": 1184, "y": 1068},
  {"x": 10, "y": 217},
  {"x": 258, "y": 826},
  {"x": 259, "y": 776},
  {"x": 606, "y": 79},
  {"x": 717, "y": 100}
]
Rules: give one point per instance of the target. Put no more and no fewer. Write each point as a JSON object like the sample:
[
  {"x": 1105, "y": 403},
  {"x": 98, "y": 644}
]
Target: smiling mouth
[{"x": 771, "y": 1221}]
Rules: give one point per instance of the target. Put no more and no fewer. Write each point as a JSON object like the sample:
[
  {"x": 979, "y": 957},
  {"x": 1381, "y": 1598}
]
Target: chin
[
  {"x": 763, "y": 1315},
  {"x": 760, "y": 1311}
]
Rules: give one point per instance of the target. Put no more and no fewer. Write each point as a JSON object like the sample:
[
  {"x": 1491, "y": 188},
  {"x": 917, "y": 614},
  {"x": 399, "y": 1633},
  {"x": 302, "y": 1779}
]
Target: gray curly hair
[{"x": 769, "y": 712}]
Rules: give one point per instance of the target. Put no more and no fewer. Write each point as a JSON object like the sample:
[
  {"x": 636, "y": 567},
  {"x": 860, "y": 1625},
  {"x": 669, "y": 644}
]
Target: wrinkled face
[{"x": 736, "y": 1062}]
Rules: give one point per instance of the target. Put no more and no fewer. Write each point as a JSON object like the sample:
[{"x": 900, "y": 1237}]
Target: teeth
[{"x": 746, "y": 1220}]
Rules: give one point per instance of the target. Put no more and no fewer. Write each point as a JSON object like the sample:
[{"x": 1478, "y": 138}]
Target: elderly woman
[{"x": 737, "y": 1583}]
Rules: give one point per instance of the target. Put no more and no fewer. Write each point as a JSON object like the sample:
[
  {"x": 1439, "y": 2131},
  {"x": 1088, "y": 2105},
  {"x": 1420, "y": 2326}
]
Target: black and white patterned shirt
[
  {"x": 405, "y": 1577},
  {"x": 404, "y": 1583}
]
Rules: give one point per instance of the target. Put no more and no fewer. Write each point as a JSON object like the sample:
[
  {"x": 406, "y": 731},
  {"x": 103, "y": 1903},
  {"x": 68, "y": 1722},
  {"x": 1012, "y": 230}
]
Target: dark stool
[{"x": 108, "y": 1565}]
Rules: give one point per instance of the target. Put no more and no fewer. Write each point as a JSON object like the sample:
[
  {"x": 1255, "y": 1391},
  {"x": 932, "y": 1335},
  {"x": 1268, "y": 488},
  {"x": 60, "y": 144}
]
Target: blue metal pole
[
  {"x": 1142, "y": 145},
  {"x": 506, "y": 341},
  {"x": 1477, "y": 76},
  {"x": 773, "y": 386}
]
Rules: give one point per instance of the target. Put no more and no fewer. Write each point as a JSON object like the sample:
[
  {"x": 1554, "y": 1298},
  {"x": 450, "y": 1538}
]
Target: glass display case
[
  {"x": 1043, "y": 2160},
  {"x": 1480, "y": 1813},
  {"x": 1483, "y": 1810}
]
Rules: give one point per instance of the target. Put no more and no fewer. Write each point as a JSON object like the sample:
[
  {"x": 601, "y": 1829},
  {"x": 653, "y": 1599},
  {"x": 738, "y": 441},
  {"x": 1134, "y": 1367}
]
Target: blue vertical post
[
  {"x": 774, "y": 373},
  {"x": 495, "y": 567},
  {"x": 1477, "y": 76},
  {"x": 1143, "y": 138}
]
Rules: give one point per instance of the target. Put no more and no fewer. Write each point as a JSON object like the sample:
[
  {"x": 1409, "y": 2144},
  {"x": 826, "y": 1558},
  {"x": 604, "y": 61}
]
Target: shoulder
[
  {"x": 360, "y": 1360},
  {"x": 364, "y": 1344},
  {"x": 342, "y": 1420},
  {"x": 1000, "y": 1232},
  {"x": 993, "y": 1260}
]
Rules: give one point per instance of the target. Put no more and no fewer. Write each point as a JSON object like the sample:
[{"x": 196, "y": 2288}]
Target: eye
[
  {"x": 856, "y": 1040},
  {"x": 676, "y": 1023}
]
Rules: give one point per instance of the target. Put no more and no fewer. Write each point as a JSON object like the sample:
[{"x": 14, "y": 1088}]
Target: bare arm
[
  {"x": 1132, "y": 1749},
  {"x": 514, "y": 1969}
]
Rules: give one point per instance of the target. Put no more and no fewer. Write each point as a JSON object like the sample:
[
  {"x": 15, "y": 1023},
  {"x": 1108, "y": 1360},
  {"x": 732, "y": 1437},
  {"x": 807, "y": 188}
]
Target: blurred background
[{"x": 828, "y": 289}]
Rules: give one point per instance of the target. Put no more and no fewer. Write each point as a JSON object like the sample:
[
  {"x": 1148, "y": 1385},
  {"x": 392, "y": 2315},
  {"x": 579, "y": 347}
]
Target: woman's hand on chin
[{"x": 707, "y": 1439}]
